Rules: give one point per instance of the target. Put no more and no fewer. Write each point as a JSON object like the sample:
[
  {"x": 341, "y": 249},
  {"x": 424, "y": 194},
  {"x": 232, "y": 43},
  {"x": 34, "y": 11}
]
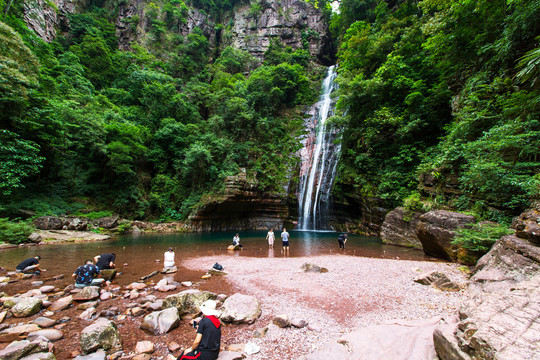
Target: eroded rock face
[
  {"x": 436, "y": 230},
  {"x": 501, "y": 319},
  {"x": 240, "y": 308},
  {"x": 527, "y": 226},
  {"x": 399, "y": 228},
  {"x": 102, "y": 334}
]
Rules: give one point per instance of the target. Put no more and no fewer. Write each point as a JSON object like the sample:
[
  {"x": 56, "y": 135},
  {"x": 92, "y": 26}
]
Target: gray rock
[
  {"x": 527, "y": 226},
  {"x": 307, "y": 267},
  {"x": 48, "y": 223},
  {"x": 108, "y": 222},
  {"x": 161, "y": 322},
  {"x": 46, "y": 289},
  {"x": 438, "y": 280},
  {"x": 44, "y": 322},
  {"x": 88, "y": 293},
  {"x": 102, "y": 334},
  {"x": 188, "y": 301},
  {"x": 399, "y": 228},
  {"x": 19, "y": 349},
  {"x": 436, "y": 230},
  {"x": 40, "y": 356},
  {"x": 27, "y": 307},
  {"x": 240, "y": 308},
  {"x": 49, "y": 334},
  {"x": 34, "y": 238}
]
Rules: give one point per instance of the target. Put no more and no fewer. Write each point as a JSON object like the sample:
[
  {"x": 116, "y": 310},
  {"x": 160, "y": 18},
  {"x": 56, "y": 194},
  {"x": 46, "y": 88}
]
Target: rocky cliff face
[
  {"x": 241, "y": 207},
  {"x": 44, "y": 17}
]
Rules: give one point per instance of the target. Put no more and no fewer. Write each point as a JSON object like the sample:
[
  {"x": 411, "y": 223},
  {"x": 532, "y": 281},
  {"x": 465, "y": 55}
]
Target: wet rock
[
  {"x": 103, "y": 334},
  {"x": 216, "y": 272},
  {"x": 144, "y": 347},
  {"x": 87, "y": 305},
  {"x": 108, "y": 274},
  {"x": 27, "y": 307},
  {"x": 61, "y": 304},
  {"x": 44, "y": 322},
  {"x": 281, "y": 321},
  {"x": 98, "y": 355},
  {"x": 240, "y": 308},
  {"x": 399, "y": 228},
  {"x": 307, "y": 267},
  {"x": 161, "y": 322},
  {"x": 87, "y": 293},
  {"x": 19, "y": 349},
  {"x": 299, "y": 323},
  {"x": 188, "y": 301},
  {"x": 206, "y": 276},
  {"x": 46, "y": 289},
  {"x": 49, "y": 334},
  {"x": 234, "y": 247},
  {"x": 438, "y": 280},
  {"x": 436, "y": 230}
]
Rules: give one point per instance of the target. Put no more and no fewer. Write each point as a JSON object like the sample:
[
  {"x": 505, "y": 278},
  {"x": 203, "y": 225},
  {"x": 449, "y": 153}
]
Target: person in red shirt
[{"x": 207, "y": 343}]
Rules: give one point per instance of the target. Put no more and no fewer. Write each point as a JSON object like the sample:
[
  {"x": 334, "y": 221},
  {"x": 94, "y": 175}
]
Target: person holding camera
[{"x": 207, "y": 342}]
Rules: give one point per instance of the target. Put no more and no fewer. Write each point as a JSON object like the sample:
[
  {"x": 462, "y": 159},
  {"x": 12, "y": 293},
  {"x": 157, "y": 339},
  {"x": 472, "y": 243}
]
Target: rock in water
[
  {"x": 240, "y": 308},
  {"x": 103, "y": 334},
  {"x": 88, "y": 293},
  {"x": 26, "y": 307},
  {"x": 108, "y": 274},
  {"x": 161, "y": 322}
]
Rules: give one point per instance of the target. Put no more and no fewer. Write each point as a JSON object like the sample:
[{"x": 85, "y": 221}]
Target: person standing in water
[
  {"x": 285, "y": 241},
  {"x": 270, "y": 237},
  {"x": 168, "y": 260},
  {"x": 342, "y": 239}
]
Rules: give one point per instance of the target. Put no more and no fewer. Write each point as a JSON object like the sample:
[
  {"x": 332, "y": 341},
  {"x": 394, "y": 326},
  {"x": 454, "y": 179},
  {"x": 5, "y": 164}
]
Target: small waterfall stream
[{"x": 320, "y": 156}]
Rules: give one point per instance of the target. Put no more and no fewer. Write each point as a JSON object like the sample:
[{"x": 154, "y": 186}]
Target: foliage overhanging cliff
[{"x": 146, "y": 107}]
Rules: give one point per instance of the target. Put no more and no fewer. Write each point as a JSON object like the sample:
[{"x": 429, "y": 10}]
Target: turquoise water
[{"x": 140, "y": 252}]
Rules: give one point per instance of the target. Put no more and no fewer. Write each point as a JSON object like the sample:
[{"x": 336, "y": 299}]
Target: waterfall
[{"x": 320, "y": 156}]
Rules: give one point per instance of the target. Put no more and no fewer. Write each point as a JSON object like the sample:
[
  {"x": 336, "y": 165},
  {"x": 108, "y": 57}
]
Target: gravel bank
[{"x": 355, "y": 292}]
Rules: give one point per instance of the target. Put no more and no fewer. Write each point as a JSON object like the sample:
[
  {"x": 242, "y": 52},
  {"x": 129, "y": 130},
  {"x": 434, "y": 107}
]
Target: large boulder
[
  {"x": 501, "y": 317},
  {"x": 87, "y": 293},
  {"x": 436, "y": 230},
  {"x": 161, "y": 322},
  {"x": 27, "y": 307},
  {"x": 76, "y": 224},
  {"x": 188, "y": 301},
  {"x": 399, "y": 228},
  {"x": 399, "y": 340},
  {"x": 49, "y": 223},
  {"x": 240, "y": 308},
  {"x": 102, "y": 334},
  {"x": 438, "y": 280},
  {"x": 20, "y": 349},
  {"x": 108, "y": 222}
]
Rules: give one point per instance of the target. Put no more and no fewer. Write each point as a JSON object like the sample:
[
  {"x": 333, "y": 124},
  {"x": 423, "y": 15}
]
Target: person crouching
[
  {"x": 208, "y": 339},
  {"x": 85, "y": 275}
]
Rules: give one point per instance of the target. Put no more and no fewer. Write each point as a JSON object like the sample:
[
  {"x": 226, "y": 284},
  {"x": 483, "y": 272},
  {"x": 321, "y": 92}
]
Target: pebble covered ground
[{"x": 354, "y": 293}]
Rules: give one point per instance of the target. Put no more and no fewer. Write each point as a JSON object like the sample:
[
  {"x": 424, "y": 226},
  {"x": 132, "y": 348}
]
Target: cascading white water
[{"x": 320, "y": 156}]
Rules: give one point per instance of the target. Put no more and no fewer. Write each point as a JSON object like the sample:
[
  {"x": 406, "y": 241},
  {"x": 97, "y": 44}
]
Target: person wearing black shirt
[
  {"x": 29, "y": 265},
  {"x": 105, "y": 261},
  {"x": 342, "y": 239},
  {"x": 84, "y": 275},
  {"x": 207, "y": 343}
]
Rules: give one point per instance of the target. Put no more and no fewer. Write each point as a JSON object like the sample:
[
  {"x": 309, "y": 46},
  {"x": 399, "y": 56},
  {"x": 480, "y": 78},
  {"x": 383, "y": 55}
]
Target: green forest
[{"x": 445, "y": 90}]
